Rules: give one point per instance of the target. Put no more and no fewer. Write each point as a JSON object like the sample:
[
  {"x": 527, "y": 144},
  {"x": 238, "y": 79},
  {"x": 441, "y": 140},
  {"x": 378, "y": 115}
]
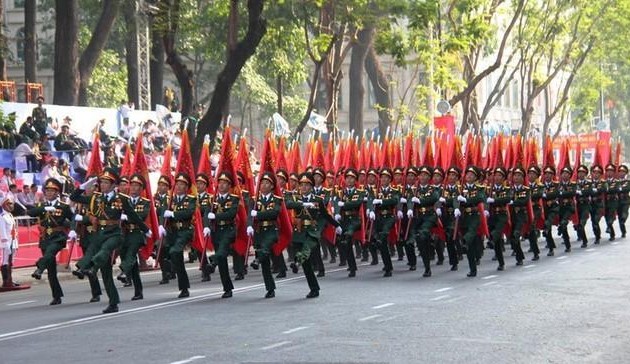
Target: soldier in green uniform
[
  {"x": 383, "y": 213},
  {"x": 86, "y": 232},
  {"x": 325, "y": 194},
  {"x": 55, "y": 218},
  {"x": 109, "y": 206},
  {"x": 499, "y": 195},
  {"x": 624, "y": 198},
  {"x": 551, "y": 207},
  {"x": 536, "y": 190},
  {"x": 238, "y": 261},
  {"x": 598, "y": 190},
  {"x": 423, "y": 216},
  {"x": 467, "y": 212},
  {"x": 566, "y": 197},
  {"x": 40, "y": 118},
  {"x": 398, "y": 182},
  {"x": 265, "y": 235},
  {"x": 223, "y": 216},
  {"x": 371, "y": 189},
  {"x": 405, "y": 226},
  {"x": 349, "y": 202},
  {"x": 162, "y": 200},
  {"x": 519, "y": 215},
  {"x": 205, "y": 207},
  {"x": 133, "y": 238},
  {"x": 583, "y": 202},
  {"x": 437, "y": 242},
  {"x": 277, "y": 261},
  {"x": 612, "y": 199},
  {"x": 308, "y": 209},
  {"x": 449, "y": 193},
  {"x": 180, "y": 229}
]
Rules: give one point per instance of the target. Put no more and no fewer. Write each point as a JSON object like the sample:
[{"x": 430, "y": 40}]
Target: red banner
[
  {"x": 588, "y": 143},
  {"x": 445, "y": 124}
]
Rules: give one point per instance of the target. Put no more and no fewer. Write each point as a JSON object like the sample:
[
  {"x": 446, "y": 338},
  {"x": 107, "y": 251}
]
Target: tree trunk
[
  {"x": 357, "y": 88},
  {"x": 231, "y": 42},
  {"x": 66, "y": 70},
  {"x": 256, "y": 29},
  {"x": 30, "y": 52},
  {"x": 92, "y": 52},
  {"x": 380, "y": 85},
  {"x": 3, "y": 45},
  {"x": 131, "y": 52},
  {"x": 156, "y": 65}
]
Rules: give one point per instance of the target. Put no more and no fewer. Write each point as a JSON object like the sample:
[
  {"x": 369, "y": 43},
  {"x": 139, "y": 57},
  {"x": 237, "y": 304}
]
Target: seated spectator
[
  {"x": 127, "y": 131},
  {"x": 50, "y": 171},
  {"x": 13, "y": 194},
  {"x": 27, "y": 131},
  {"x": 63, "y": 142},
  {"x": 28, "y": 196},
  {"x": 80, "y": 164},
  {"x": 25, "y": 150}
]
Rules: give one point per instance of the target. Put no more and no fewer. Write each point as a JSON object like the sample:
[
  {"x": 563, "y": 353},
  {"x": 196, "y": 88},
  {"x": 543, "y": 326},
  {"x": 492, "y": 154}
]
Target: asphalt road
[{"x": 571, "y": 308}]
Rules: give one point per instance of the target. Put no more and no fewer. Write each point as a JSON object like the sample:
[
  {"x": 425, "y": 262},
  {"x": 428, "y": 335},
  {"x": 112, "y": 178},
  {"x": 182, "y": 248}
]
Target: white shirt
[
  {"x": 22, "y": 151},
  {"x": 125, "y": 110},
  {"x": 79, "y": 162},
  {"x": 8, "y": 231}
]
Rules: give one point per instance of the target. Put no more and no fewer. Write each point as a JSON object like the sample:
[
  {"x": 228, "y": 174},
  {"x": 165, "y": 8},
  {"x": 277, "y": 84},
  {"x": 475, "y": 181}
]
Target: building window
[
  {"x": 18, "y": 4},
  {"x": 19, "y": 39}
]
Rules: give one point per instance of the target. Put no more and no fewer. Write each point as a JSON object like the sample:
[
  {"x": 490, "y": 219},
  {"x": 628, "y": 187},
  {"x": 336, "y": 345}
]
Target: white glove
[
  {"x": 511, "y": 202},
  {"x": 123, "y": 217},
  {"x": 169, "y": 213},
  {"x": 161, "y": 231},
  {"x": 338, "y": 230},
  {"x": 72, "y": 235},
  {"x": 211, "y": 216},
  {"x": 438, "y": 211},
  {"x": 88, "y": 183},
  {"x": 206, "y": 231},
  {"x": 578, "y": 192},
  {"x": 254, "y": 213},
  {"x": 415, "y": 200},
  {"x": 442, "y": 200},
  {"x": 372, "y": 216},
  {"x": 308, "y": 205},
  {"x": 461, "y": 198},
  {"x": 148, "y": 234},
  {"x": 50, "y": 208},
  {"x": 365, "y": 199},
  {"x": 410, "y": 213},
  {"x": 457, "y": 213},
  {"x": 620, "y": 189},
  {"x": 78, "y": 218},
  {"x": 250, "y": 231},
  {"x": 544, "y": 195},
  {"x": 367, "y": 212},
  {"x": 403, "y": 200},
  {"x": 337, "y": 217},
  {"x": 594, "y": 190},
  {"x": 490, "y": 200},
  {"x": 486, "y": 213},
  {"x": 399, "y": 214},
  {"x": 340, "y": 203},
  {"x": 377, "y": 201}
]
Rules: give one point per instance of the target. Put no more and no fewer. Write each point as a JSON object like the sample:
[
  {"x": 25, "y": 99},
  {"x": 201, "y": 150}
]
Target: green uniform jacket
[
  {"x": 162, "y": 203},
  {"x": 52, "y": 222}
]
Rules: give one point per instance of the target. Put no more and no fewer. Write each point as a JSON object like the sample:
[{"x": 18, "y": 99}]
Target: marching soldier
[
  {"x": 349, "y": 204},
  {"x": 624, "y": 199},
  {"x": 371, "y": 190},
  {"x": 162, "y": 200},
  {"x": 110, "y": 206},
  {"x": 519, "y": 217},
  {"x": 180, "y": 229},
  {"x": 55, "y": 218},
  {"x": 583, "y": 202},
  {"x": 308, "y": 208},
  {"x": 612, "y": 199},
  {"x": 205, "y": 206},
  {"x": 223, "y": 216},
  {"x": 566, "y": 196},
  {"x": 423, "y": 216},
  {"x": 383, "y": 211},
  {"x": 238, "y": 261},
  {"x": 325, "y": 194},
  {"x": 265, "y": 234},
  {"x": 398, "y": 182},
  {"x": 438, "y": 243},
  {"x": 277, "y": 261},
  {"x": 447, "y": 198},
  {"x": 405, "y": 226},
  {"x": 598, "y": 189},
  {"x": 467, "y": 212},
  {"x": 499, "y": 195},
  {"x": 133, "y": 238},
  {"x": 551, "y": 207},
  {"x": 536, "y": 190}
]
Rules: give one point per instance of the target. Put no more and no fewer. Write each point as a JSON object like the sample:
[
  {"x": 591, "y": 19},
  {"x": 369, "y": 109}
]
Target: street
[{"x": 571, "y": 308}]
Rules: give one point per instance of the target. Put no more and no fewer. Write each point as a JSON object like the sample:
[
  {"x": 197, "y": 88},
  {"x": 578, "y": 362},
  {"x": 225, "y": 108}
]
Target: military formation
[{"x": 351, "y": 214}]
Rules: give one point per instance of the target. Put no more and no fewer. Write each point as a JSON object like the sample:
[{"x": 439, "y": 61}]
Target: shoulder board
[
  {"x": 244, "y": 191},
  {"x": 276, "y": 196},
  {"x": 233, "y": 195},
  {"x": 328, "y": 189},
  {"x": 360, "y": 189},
  {"x": 144, "y": 199},
  {"x": 123, "y": 195},
  {"x": 63, "y": 203},
  {"x": 191, "y": 196},
  {"x": 96, "y": 193}
]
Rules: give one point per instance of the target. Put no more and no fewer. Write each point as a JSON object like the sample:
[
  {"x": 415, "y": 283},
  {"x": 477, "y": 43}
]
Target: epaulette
[
  {"x": 360, "y": 189},
  {"x": 191, "y": 196},
  {"x": 144, "y": 199},
  {"x": 97, "y": 193},
  {"x": 328, "y": 189},
  {"x": 123, "y": 195},
  {"x": 233, "y": 195},
  {"x": 244, "y": 191},
  {"x": 276, "y": 196}
]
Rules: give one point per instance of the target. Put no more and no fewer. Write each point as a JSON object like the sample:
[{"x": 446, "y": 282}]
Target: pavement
[{"x": 571, "y": 308}]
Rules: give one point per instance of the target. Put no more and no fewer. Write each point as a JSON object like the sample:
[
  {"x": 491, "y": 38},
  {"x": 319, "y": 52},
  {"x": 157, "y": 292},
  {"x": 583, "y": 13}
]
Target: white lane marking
[
  {"x": 562, "y": 257},
  {"x": 276, "y": 345},
  {"x": 480, "y": 340},
  {"x": 614, "y": 243},
  {"x": 590, "y": 250},
  {"x": 383, "y": 305},
  {"x": 443, "y": 289},
  {"x": 389, "y": 318},
  {"x": 489, "y": 284},
  {"x": 19, "y": 303},
  {"x": 191, "y": 359},
  {"x": 490, "y": 276},
  {"x": 295, "y": 330},
  {"x": 545, "y": 272},
  {"x": 564, "y": 262},
  {"x": 454, "y": 299},
  {"x": 440, "y": 297},
  {"x": 371, "y": 317},
  {"x": 100, "y": 317},
  {"x": 529, "y": 266}
]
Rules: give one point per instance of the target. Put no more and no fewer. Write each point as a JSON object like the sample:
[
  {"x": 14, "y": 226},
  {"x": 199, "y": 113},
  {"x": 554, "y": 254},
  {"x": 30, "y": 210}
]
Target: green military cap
[
  {"x": 226, "y": 176},
  {"x": 623, "y": 168},
  {"x": 202, "y": 177},
  {"x": 611, "y": 167},
  {"x": 473, "y": 170},
  {"x": 399, "y": 170},
  {"x": 566, "y": 169},
  {"x": 439, "y": 171},
  {"x": 109, "y": 174},
  {"x": 598, "y": 168},
  {"x": 412, "y": 170},
  {"x": 455, "y": 170},
  {"x": 164, "y": 180},
  {"x": 550, "y": 170},
  {"x": 500, "y": 170},
  {"x": 582, "y": 168},
  {"x": 52, "y": 183},
  {"x": 534, "y": 169},
  {"x": 362, "y": 171},
  {"x": 386, "y": 172},
  {"x": 518, "y": 169},
  {"x": 426, "y": 169},
  {"x": 294, "y": 177},
  {"x": 269, "y": 177},
  {"x": 182, "y": 177},
  {"x": 373, "y": 172},
  {"x": 306, "y": 177},
  {"x": 319, "y": 171},
  {"x": 137, "y": 178},
  {"x": 351, "y": 172}
]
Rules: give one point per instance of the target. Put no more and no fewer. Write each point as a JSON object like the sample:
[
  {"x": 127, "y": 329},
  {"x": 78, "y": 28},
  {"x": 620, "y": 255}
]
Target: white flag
[
  {"x": 280, "y": 125},
  {"x": 317, "y": 122}
]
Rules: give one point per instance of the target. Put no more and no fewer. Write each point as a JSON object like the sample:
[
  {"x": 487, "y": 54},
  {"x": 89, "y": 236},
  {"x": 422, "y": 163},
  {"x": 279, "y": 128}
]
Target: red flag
[
  {"x": 281, "y": 155},
  {"x": 95, "y": 168},
  {"x": 318, "y": 159},
  {"x": 408, "y": 154},
  {"x": 140, "y": 167},
  {"x": 127, "y": 167},
  {"x": 427, "y": 158},
  {"x": 295, "y": 161},
  {"x": 166, "y": 164},
  {"x": 205, "y": 166},
  {"x": 228, "y": 164},
  {"x": 578, "y": 159},
  {"x": 242, "y": 163},
  {"x": 617, "y": 160}
]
